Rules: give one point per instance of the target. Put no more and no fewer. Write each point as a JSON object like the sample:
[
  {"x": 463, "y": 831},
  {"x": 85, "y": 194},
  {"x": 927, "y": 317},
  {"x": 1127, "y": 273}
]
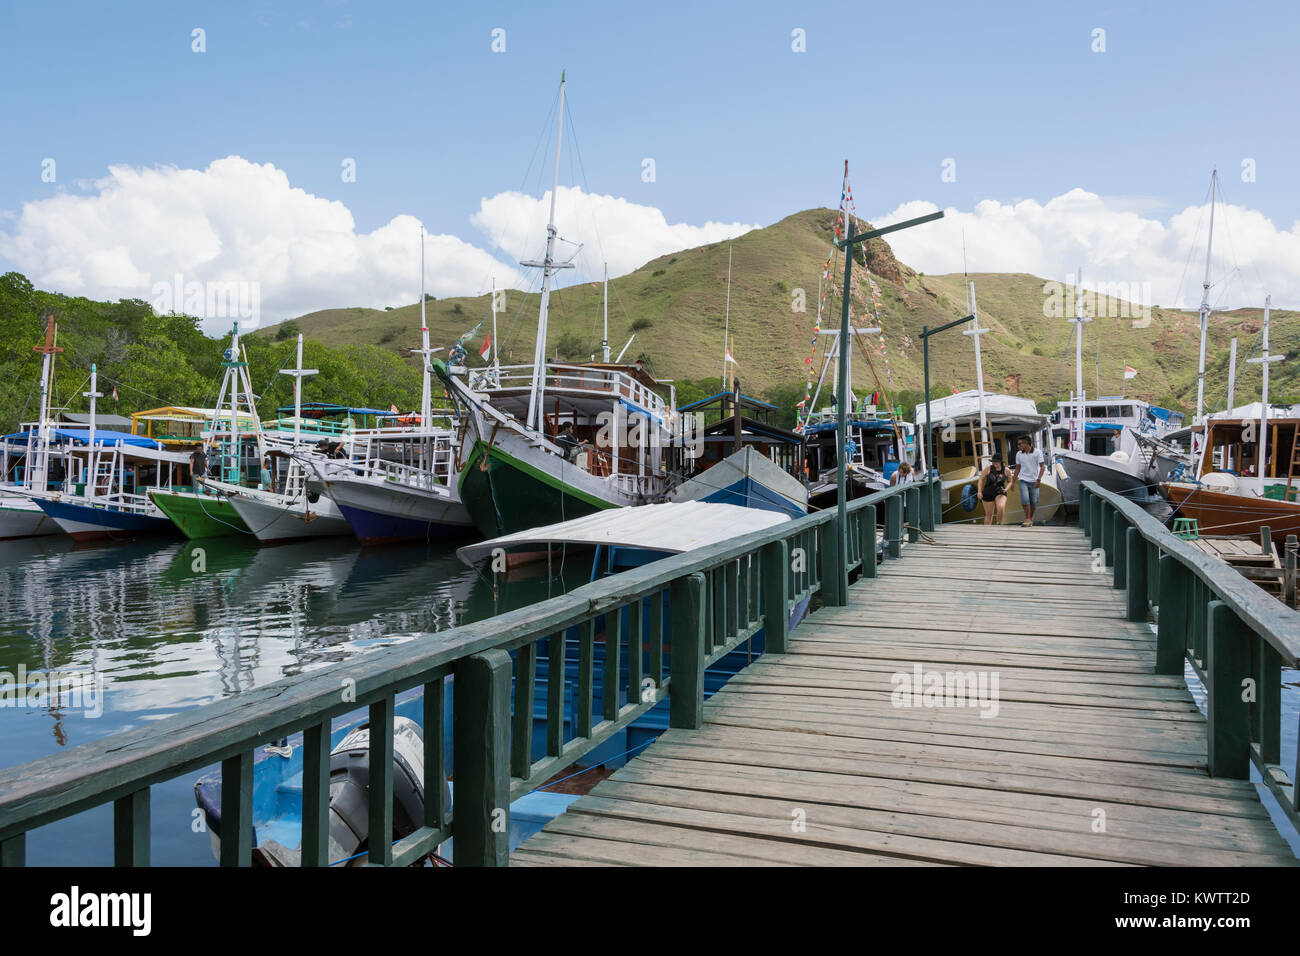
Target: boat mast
[
  {"x": 726, "y": 321},
  {"x": 548, "y": 266},
  {"x": 1232, "y": 374},
  {"x": 1080, "y": 407},
  {"x": 985, "y": 452},
  {"x": 426, "y": 388},
  {"x": 298, "y": 373},
  {"x": 496, "y": 342},
  {"x": 1205, "y": 308},
  {"x": 93, "y": 394},
  {"x": 40, "y": 472},
  {"x": 604, "y": 341},
  {"x": 1265, "y": 359}
]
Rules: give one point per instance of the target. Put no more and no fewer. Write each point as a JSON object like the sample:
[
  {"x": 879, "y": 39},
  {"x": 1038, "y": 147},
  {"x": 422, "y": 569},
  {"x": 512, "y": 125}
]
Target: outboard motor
[{"x": 349, "y": 827}]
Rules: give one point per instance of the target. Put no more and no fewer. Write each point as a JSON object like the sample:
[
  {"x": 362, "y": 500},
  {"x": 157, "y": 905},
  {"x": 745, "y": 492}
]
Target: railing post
[
  {"x": 893, "y": 526},
  {"x": 912, "y": 504},
  {"x": 936, "y": 500},
  {"x": 131, "y": 829},
  {"x": 1120, "y": 545},
  {"x": 13, "y": 851},
  {"x": 1227, "y": 665},
  {"x": 1171, "y": 631},
  {"x": 835, "y": 568},
  {"x": 1289, "y": 577},
  {"x": 1083, "y": 508},
  {"x": 1135, "y": 574},
  {"x": 1095, "y": 522},
  {"x": 776, "y": 597},
  {"x": 481, "y": 738},
  {"x": 927, "y": 506},
  {"x": 867, "y": 516},
  {"x": 237, "y": 810},
  {"x": 686, "y": 654},
  {"x": 1115, "y": 540}
]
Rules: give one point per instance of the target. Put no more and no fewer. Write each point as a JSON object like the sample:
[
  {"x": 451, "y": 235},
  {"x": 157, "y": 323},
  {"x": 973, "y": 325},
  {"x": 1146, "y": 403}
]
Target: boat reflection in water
[{"x": 170, "y": 625}]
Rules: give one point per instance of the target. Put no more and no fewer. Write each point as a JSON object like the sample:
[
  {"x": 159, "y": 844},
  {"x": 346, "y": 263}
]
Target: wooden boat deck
[{"x": 1091, "y": 759}]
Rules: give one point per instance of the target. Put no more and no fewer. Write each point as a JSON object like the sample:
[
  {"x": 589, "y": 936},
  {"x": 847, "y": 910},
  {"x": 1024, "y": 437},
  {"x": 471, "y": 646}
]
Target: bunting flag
[
  {"x": 485, "y": 353},
  {"x": 1129, "y": 372}
]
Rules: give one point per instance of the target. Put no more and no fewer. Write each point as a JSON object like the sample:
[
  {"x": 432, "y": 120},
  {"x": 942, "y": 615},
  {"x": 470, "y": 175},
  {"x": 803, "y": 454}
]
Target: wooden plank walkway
[{"x": 803, "y": 759}]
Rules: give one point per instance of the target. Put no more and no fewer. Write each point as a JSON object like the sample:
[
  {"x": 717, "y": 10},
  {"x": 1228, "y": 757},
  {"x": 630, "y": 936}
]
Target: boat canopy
[
  {"x": 671, "y": 528},
  {"x": 746, "y": 401},
  {"x": 79, "y": 436},
  {"x": 863, "y": 424}
]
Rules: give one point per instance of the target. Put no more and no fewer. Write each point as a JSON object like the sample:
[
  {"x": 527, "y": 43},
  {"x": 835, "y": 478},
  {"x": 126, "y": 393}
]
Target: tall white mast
[
  {"x": 93, "y": 394},
  {"x": 726, "y": 321},
  {"x": 604, "y": 342},
  {"x": 985, "y": 451},
  {"x": 426, "y": 387},
  {"x": 548, "y": 266},
  {"x": 298, "y": 373},
  {"x": 496, "y": 342},
  {"x": 1265, "y": 359},
  {"x": 1080, "y": 408},
  {"x": 40, "y": 469},
  {"x": 1205, "y": 308}
]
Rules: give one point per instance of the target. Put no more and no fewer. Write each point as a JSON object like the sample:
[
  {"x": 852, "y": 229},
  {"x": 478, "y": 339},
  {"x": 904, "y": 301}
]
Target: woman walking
[{"x": 993, "y": 490}]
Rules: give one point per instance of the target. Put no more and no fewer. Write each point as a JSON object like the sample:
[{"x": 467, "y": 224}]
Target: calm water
[{"x": 166, "y": 637}]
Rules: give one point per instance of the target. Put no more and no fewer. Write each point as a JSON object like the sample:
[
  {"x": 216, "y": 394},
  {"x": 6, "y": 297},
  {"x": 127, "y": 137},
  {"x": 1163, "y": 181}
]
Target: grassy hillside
[{"x": 675, "y": 305}]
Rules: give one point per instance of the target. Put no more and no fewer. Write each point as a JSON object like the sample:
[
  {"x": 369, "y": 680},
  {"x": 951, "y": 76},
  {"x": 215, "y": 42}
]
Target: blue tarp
[
  {"x": 871, "y": 424},
  {"x": 79, "y": 436}
]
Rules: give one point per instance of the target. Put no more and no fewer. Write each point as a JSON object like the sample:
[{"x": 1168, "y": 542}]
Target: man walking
[{"x": 1029, "y": 471}]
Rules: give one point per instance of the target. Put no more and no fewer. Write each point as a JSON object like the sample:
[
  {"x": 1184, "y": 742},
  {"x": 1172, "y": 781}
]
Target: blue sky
[{"x": 741, "y": 128}]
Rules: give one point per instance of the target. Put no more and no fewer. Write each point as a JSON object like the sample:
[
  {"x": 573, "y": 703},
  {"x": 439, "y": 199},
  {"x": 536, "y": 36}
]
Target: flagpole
[{"x": 726, "y": 321}]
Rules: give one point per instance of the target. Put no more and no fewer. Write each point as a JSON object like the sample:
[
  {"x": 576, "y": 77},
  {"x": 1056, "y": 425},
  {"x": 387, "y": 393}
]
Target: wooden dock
[{"x": 805, "y": 758}]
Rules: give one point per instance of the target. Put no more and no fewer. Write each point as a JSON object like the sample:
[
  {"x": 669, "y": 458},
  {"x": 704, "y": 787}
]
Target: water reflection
[{"x": 170, "y": 625}]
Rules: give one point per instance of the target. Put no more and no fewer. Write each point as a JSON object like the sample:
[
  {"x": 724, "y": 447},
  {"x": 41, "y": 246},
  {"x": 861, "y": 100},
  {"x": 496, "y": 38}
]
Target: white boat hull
[
  {"x": 20, "y": 517},
  {"x": 275, "y": 518}
]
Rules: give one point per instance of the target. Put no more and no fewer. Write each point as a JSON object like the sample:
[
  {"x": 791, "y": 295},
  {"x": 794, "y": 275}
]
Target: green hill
[{"x": 675, "y": 306}]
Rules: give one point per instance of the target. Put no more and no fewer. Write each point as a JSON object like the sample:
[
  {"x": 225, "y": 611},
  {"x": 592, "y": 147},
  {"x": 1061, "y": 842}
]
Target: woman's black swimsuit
[{"x": 995, "y": 483}]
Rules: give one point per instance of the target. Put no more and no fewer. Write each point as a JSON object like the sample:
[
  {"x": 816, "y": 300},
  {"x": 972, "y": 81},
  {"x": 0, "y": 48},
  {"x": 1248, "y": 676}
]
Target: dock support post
[
  {"x": 13, "y": 851},
  {"x": 893, "y": 526},
  {"x": 686, "y": 660},
  {"x": 1097, "y": 522},
  {"x": 1171, "y": 633},
  {"x": 927, "y": 509},
  {"x": 237, "y": 810},
  {"x": 1085, "y": 503},
  {"x": 1114, "y": 537},
  {"x": 1135, "y": 574},
  {"x": 1228, "y": 665},
  {"x": 867, "y": 516},
  {"x": 834, "y": 563},
  {"x": 776, "y": 596},
  {"x": 936, "y": 501},
  {"x": 1119, "y": 545},
  {"x": 131, "y": 829},
  {"x": 912, "y": 503},
  {"x": 481, "y": 736}
]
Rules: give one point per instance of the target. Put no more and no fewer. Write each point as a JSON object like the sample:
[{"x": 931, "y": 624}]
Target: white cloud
[
  {"x": 1113, "y": 242},
  {"x": 239, "y": 222},
  {"x": 234, "y": 222},
  {"x": 625, "y": 234}
]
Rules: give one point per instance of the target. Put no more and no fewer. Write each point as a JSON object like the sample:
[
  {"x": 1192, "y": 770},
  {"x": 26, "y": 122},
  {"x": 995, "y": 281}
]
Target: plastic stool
[{"x": 1187, "y": 529}]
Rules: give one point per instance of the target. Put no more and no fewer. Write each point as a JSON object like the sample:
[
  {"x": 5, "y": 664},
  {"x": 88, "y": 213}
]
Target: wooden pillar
[
  {"x": 237, "y": 810},
  {"x": 686, "y": 660},
  {"x": 1115, "y": 555},
  {"x": 867, "y": 516},
  {"x": 936, "y": 500},
  {"x": 893, "y": 526},
  {"x": 131, "y": 829},
  {"x": 1084, "y": 505},
  {"x": 1095, "y": 521},
  {"x": 835, "y": 564},
  {"x": 776, "y": 596},
  {"x": 1171, "y": 633},
  {"x": 1227, "y": 666},
  {"x": 1135, "y": 574},
  {"x": 912, "y": 503},
  {"x": 481, "y": 737}
]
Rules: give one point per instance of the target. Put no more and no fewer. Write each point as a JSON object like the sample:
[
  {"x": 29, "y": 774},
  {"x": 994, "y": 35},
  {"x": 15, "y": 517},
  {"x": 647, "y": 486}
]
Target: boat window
[{"x": 952, "y": 449}]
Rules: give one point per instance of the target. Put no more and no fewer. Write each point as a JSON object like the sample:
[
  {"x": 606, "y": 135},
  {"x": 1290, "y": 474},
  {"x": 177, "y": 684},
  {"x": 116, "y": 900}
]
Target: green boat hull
[
  {"x": 508, "y": 496},
  {"x": 201, "y": 516}
]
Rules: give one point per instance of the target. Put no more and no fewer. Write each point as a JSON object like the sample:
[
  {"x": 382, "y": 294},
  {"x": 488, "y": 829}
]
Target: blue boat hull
[
  {"x": 371, "y": 527},
  {"x": 87, "y": 523}
]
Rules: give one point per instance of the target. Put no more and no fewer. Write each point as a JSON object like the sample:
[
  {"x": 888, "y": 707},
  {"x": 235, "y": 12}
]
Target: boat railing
[
  {"x": 1236, "y": 637},
  {"x": 711, "y": 601},
  {"x": 599, "y": 381}
]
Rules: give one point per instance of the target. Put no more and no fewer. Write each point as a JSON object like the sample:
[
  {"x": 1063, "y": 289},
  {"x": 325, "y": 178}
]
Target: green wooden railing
[
  {"x": 1236, "y": 636},
  {"x": 717, "y": 599}
]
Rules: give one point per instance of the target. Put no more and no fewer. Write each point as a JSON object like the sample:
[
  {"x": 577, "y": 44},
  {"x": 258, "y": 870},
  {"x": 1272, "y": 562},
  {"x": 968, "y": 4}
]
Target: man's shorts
[{"x": 1028, "y": 495}]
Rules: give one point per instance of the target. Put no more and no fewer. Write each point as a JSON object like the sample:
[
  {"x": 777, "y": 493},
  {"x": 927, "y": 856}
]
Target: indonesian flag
[
  {"x": 956, "y": 391},
  {"x": 486, "y": 351},
  {"x": 801, "y": 404},
  {"x": 114, "y": 393},
  {"x": 393, "y": 409},
  {"x": 731, "y": 359},
  {"x": 1129, "y": 372}
]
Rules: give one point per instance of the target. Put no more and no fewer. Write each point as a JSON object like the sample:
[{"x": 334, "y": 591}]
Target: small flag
[
  {"x": 956, "y": 391},
  {"x": 730, "y": 359},
  {"x": 1129, "y": 372},
  {"x": 393, "y": 409},
  {"x": 486, "y": 351},
  {"x": 801, "y": 404},
  {"x": 114, "y": 393}
]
